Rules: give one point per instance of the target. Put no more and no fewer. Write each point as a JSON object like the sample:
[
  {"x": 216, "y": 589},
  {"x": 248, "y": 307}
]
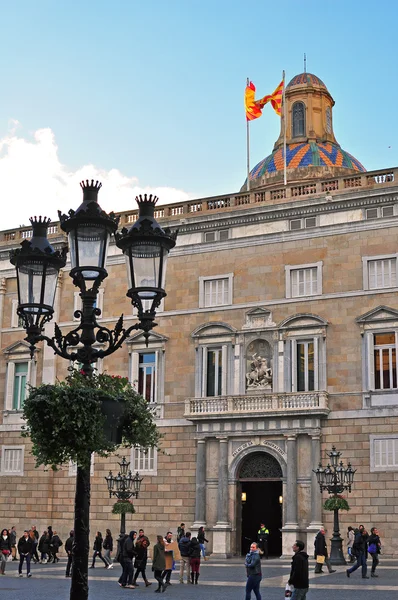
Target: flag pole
[
  {"x": 284, "y": 131},
  {"x": 248, "y": 148}
]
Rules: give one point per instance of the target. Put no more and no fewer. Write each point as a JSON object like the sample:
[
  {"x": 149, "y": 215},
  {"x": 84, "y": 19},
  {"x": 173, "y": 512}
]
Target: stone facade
[{"x": 301, "y": 281}]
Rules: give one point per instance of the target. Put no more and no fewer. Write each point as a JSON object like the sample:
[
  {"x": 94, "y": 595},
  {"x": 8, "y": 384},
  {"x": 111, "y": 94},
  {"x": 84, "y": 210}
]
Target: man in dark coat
[
  {"x": 129, "y": 553},
  {"x": 68, "y": 550},
  {"x": 322, "y": 550},
  {"x": 299, "y": 572},
  {"x": 360, "y": 551},
  {"x": 25, "y": 549}
]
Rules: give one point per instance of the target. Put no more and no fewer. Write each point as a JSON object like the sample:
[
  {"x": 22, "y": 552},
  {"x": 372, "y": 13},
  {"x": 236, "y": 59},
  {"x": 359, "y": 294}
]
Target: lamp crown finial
[
  {"x": 40, "y": 221},
  {"x": 146, "y": 199},
  {"x": 97, "y": 185}
]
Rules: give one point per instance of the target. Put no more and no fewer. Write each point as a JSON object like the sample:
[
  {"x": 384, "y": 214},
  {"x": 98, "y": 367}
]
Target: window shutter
[
  {"x": 10, "y": 385},
  {"x": 370, "y": 354}
]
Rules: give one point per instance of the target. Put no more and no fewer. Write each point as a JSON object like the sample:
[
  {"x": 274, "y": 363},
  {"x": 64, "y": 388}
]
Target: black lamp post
[
  {"x": 335, "y": 478},
  {"x": 89, "y": 228},
  {"x": 124, "y": 486}
]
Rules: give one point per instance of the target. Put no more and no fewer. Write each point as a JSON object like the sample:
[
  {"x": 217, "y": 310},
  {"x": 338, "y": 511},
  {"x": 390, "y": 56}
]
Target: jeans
[
  {"x": 184, "y": 565},
  {"x": 299, "y": 594},
  {"x": 253, "y": 584},
  {"x": 375, "y": 561},
  {"x": 159, "y": 578},
  {"x": 98, "y": 553},
  {"x": 361, "y": 562},
  {"x": 68, "y": 565},
  {"x": 4, "y": 558},
  {"x": 127, "y": 577},
  {"x": 167, "y": 575},
  {"x": 195, "y": 565},
  {"x": 203, "y": 550},
  {"x": 22, "y": 557},
  {"x": 107, "y": 556}
]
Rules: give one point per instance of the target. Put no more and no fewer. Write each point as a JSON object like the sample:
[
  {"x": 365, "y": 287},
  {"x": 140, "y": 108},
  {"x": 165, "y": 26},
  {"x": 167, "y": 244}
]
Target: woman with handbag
[
  {"x": 350, "y": 543},
  {"x": 140, "y": 561},
  {"x": 374, "y": 549},
  {"x": 97, "y": 547},
  {"x": 108, "y": 547},
  {"x": 5, "y": 550}
]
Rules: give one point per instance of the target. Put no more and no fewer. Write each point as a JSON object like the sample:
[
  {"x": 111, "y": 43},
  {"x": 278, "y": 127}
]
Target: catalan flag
[{"x": 254, "y": 107}]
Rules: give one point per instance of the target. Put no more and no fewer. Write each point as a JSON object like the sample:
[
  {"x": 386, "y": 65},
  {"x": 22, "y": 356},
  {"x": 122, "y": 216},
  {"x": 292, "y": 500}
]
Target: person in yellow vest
[{"x": 262, "y": 538}]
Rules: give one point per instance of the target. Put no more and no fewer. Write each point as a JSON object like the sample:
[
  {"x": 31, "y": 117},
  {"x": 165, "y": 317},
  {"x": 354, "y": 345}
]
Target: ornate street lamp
[
  {"x": 335, "y": 479},
  {"x": 146, "y": 247},
  {"x": 124, "y": 486}
]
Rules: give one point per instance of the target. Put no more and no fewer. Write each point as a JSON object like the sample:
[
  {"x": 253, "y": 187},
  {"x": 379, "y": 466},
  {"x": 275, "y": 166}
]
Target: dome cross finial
[{"x": 305, "y": 62}]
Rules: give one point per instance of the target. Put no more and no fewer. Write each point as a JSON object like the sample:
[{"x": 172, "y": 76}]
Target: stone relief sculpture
[{"x": 260, "y": 374}]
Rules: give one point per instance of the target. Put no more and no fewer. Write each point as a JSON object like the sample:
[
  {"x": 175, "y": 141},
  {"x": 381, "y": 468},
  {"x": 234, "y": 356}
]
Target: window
[
  {"x": 379, "y": 212},
  {"x": 215, "y": 291},
  {"x": 144, "y": 460},
  {"x": 379, "y": 272},
  {"x": 16, "y": 320},
  {"x": 385, "y": 361},
  {"x": 73, "y": 467},
  {"x": 298, "y": 128},
  {"x": 220, "y": 235},
  {"x": 52, "y": 229},
  {"x": 147, "y": 375},
  {"x": 214, "y": 372},
  {"x": 20, "y": 380},
  {"x": 383, "y": 452},
  {"x": 328, "y": 120},
  {"x": 27, "y": 233},
  {"x": 99, "y": 303},
  {"x": 305, "y": 223},
  {"x": 12, "y": 460},
  {"x": 303, "y": 280},
  {"x": 304, "y": 366}
]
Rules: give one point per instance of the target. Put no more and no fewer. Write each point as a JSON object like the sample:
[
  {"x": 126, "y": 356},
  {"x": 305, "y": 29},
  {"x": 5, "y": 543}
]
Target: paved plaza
[{"x": 219, "y": 579}]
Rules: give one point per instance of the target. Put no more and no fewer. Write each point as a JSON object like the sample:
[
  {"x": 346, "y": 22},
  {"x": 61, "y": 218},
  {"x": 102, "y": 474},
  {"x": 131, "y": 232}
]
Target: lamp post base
[{"x": 336, "y": 543}]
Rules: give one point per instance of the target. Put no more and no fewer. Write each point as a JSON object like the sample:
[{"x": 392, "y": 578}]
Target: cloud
[{"x": 33, "y": 181}]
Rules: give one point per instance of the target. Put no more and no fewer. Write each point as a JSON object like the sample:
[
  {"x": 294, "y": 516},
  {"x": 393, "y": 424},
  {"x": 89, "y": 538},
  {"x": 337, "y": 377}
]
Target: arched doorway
[{"x": 260, "y": 482}]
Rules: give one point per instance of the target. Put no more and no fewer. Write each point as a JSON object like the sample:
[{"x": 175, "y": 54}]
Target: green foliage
[
  {"x": 122, "y": 507},
  {"x": 65, "y": 421},
  {"x": 336, "y": 502}
]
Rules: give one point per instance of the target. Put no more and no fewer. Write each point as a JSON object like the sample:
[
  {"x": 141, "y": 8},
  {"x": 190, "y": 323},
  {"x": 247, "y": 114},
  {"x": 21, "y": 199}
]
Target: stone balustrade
[{"x": 297, "y": 402}]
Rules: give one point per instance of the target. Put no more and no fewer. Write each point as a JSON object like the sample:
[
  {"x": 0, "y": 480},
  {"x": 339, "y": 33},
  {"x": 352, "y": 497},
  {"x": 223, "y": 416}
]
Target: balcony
[{"x": 281, "y": 404}]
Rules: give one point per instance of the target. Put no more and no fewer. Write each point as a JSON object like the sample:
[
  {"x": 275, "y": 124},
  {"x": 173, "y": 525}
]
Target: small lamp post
[
  {"x": 146, "y": 247},
  {"x": 124, "y": 486},
  {"x": 335, "y": 478}
]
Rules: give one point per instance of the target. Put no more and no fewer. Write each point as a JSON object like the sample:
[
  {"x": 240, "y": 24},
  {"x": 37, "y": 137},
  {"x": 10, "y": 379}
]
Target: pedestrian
[
  {"x": 119, "y": 553},
  {"x": 360, "y": 551},
  {"x": 5, "y": 550},
  {"x": 68, "y": 550},
  {"x": 129, "y": 554},
  {"x": 194, "y": 559},
  {"x": 44, "y": 547},
  {"x": 253, "y": 571},
  {"x": 108, "y": 547},
  {"x": 299, "y": 572},
  {"x": 350, "y": 543},
  {"x": 34, "y": 535},
  {"x": 169, "y": 558},
  {"x": 321, "y": 552},
  {"x": 55, "y": 545},
  {"x": 142, "y": 536},
  {"x": 50, "y": 537},
  {"x": 13, "y": 539},
  {"x": 201, "y": 539},
  {"x": 183, "y": 546},
  {"x": 374, "y": 549},
  {"x": 180, "y": 531},
  {"x": 159, "y": 563},
  {"x": 25, "y": 546},
  {"x": 262, "y": 540},
  {"x": 97, "y": 547},
  {"x": 141, "y": 547}
]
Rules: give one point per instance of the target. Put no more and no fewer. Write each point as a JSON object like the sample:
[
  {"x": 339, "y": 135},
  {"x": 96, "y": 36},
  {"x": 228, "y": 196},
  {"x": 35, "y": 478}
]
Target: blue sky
[{"x": 150, "y": 94}]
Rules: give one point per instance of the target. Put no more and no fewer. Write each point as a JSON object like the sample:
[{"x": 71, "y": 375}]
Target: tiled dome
[
  {"x": 306, "y": 79},
  {"x": 307, "y": 155}
]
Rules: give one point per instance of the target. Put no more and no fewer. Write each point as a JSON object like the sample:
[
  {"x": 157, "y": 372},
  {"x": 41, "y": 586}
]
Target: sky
[{"x": 148, "y": 96}]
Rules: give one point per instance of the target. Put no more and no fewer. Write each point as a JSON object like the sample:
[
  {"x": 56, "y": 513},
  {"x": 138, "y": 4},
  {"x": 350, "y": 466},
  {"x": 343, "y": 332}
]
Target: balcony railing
[{"x": 255, "y": 404}]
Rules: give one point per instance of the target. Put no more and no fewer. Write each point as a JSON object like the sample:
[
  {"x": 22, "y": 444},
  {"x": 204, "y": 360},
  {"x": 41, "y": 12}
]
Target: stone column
[
  {"x": 222, "y": 529},
  {"x": 316, "y": 496},
  {"x": 200, "y": 505},
  {"x": 289, "y": 531}
]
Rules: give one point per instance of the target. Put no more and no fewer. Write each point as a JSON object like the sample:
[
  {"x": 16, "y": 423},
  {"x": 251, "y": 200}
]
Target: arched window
[
  {"x": 329, "y": 120},
  {"x": 298, "y": 119}
]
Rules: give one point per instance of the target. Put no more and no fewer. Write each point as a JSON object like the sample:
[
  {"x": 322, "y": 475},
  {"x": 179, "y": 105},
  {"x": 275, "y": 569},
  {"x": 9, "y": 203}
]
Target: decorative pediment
[
  {"x": 303, "y": 321},
  {"x": 258, "y": 318},
  {"x": 154, "y": 338},
  {"x": 213, "y": 329},
  {"x": 380, "y": 314},
  {"x": 20, "y": 348}
]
